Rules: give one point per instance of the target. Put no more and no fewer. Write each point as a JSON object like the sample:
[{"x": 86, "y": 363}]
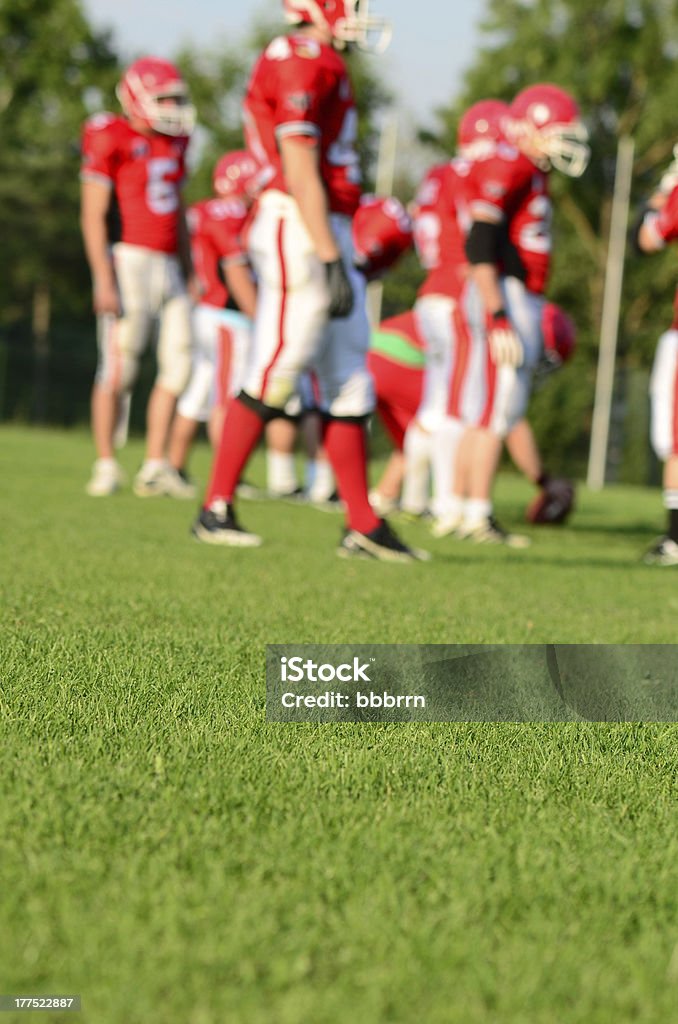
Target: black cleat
[
  {"x": 218, "y": 525},
  {"x": 380, "y": 544}
]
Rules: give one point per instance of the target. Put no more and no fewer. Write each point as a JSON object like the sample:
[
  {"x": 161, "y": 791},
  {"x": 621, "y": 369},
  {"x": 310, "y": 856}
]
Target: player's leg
[
  {"x": 347, "y": 399},
  {"x": 664, "y": 436},
  {"x": 174, "y": 353},
  {"x": 398, "y": 389},
  {"x": 291, "y": 311},
  {"x": 107, "y": 475},
  {"x": 435, "y": 320},
  {"x": 121, "y": 340}
]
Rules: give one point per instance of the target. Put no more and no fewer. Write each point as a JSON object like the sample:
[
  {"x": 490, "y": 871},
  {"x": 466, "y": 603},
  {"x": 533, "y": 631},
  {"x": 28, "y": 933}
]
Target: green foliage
[{"x": 46, "y": 91}]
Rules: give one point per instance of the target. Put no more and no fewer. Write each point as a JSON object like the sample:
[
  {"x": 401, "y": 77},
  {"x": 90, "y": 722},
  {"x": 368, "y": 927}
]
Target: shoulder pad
[{"x": 97, "y": 122}]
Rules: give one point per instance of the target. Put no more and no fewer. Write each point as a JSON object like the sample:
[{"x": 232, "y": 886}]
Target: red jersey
[
  {"x": 515, "y": 192},
  {"x": 146, "y": 173},
  {"x": 382, "y": 232},
  {"x": 215, "y": 227},
  {"x": 441, "y": 223},
  {"x": 300, "y": 87}
]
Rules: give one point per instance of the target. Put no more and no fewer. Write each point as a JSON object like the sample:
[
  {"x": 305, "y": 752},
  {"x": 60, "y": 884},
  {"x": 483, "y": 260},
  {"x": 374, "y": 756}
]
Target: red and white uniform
[
  {"x": 440, "y": 226},
  {"x": 145, "y": 174},
  {"x": 300, "y": 88},
  {"x": 664, "y": 395},
  {"x": 221, "y": 335},
  {"x": 396, "y": 362},
  {"x": 509, "y": 188},
  {"x": 664, "y": 378}
]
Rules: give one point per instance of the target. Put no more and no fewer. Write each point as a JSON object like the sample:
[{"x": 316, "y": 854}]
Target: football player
[
  {"x": 658, "y": 226},
  {"x": 441, "y": 222},
  {"x": 509, "y": 252},
  {"x": 222, "y": 317},
  {"x": 301, "y": 124},
  {"x": 133, "y": 167}
]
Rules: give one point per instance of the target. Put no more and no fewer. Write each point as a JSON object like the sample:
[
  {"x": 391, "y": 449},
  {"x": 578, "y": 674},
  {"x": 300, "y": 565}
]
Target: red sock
[
  {"x": 240, "y": 433},
  {"x": 347, "y": 451}
]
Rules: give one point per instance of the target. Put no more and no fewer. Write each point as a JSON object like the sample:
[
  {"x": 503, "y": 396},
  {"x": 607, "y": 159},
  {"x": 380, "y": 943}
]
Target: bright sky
[{"x": 423, "y": 65}]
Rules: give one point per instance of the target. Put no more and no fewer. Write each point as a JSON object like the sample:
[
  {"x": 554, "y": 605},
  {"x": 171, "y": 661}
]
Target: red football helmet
[
  {"x": 382, "y": 232},
  {"x": 348, "y": 21},
  {"x": 547, "y": 117},
  {"x": 153, "y": 91},
  {"x": 480, "y": 128},
  {"x": 559, "y": 334},
  {"x": 236, "y": 175}
]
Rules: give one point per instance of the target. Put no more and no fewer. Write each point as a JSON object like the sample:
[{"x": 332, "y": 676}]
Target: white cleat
[
  {"x": 107, "y": 478},
  {"x": 664, "y": 552},
  {"x": 382, "y": 505},
  {"x": 488, "y": 531},
  {"x": 443, "y": 526},
  {"x": 162, "y": 481}
]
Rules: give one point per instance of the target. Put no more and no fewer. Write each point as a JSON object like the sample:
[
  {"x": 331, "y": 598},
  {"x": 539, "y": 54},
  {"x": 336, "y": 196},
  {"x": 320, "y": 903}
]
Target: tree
[
  {"x": 619, "y": 61},
  {"x": 46, "y": 91}
]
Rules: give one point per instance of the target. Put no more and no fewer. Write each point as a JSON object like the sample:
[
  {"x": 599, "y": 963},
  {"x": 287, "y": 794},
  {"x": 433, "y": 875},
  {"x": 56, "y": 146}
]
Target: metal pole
[
  {"x": 609, "y": 326},
  {"x": 386, "y": 158}
]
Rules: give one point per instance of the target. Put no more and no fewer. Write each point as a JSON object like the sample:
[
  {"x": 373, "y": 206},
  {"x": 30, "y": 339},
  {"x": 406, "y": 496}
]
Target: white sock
[
  {"x": 445, "y": 442},
  {"x": 281, "y": 472},
  {"x": 320, "y": 483},
  {"x": 670, "y": 499},
  {"x": 477, "y": 510},
  {"x": 151, "y": 465},
  {"x": 418, "y": 447}
]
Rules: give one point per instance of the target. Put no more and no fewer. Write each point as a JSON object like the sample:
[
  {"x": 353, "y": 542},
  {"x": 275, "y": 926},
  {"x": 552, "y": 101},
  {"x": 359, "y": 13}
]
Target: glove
[
  {"x": 341, "y": 292},
  {"x": 553, "y": 504},
  {"x": 505, "y": 345}
]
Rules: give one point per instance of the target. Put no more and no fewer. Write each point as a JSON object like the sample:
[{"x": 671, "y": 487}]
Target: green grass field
[{"x": 174, "y": 858}]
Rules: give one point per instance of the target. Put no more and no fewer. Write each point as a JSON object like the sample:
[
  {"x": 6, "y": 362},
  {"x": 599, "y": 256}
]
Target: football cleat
[
  {"x": 380, "y": 544},
  {"x": 382, "y": 505},
  {"x": 159, "y": 481},
  {"x": 297, "y": 495},
  {"x": 488, "y": 531},
  {"x": 107, "y": 478},
  {"x": 443, "y": 526},
  {"x": 332, "y": 503},
  {"x": 218, "y": 525},
  {"x": 664, "y": 552}
]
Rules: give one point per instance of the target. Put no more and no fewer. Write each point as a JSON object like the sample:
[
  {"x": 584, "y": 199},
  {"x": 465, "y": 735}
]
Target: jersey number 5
[{"x": 161, "y": 194}]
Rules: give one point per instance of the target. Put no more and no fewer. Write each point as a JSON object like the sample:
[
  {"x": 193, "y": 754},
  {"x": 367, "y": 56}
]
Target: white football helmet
[
  {"x": 152, "y": 91},
  {"x": 348, "y": 21}
]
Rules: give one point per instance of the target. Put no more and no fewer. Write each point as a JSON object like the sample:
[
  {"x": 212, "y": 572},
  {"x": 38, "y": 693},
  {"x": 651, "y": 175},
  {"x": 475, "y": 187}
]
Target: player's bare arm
[
  {"x": 184, "y": 254},
  {"x": 302, "y": 175},
  {"x": 95, "y": 197}
]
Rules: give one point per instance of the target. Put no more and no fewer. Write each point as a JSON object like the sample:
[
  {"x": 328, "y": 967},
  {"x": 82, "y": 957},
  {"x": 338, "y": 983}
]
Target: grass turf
[{"x": 172, "y": 857}]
